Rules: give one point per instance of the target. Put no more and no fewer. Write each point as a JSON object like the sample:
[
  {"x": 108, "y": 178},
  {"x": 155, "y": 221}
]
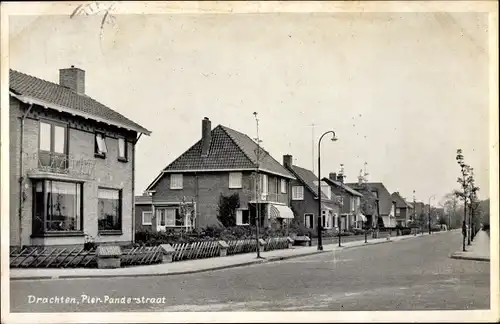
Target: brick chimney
[
  {"x": 73, "y": 78},
  {"x": 206, "y": 136},
  {"x": 333, "y": 176},
  {"x": 287, "y": 160}
]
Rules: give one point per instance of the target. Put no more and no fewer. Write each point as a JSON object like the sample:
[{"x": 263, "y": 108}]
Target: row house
[
  {"x": 305, "y": 200},
  {"x": 351, "y": 215},
  {"x": 404, "y": 210},
  {"x": 386, "y": 204},
  {"x": 72, "y": 164},
  {"x": 223, "y": 163}
]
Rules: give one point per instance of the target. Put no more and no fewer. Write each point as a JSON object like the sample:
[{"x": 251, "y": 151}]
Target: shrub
[{"x": 226, "y": 211}]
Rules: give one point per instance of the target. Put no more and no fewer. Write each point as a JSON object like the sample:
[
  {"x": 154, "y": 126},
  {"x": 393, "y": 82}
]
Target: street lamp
[
  {"x": 431, "y": 197},
  {"x": 334, "y": 138}
]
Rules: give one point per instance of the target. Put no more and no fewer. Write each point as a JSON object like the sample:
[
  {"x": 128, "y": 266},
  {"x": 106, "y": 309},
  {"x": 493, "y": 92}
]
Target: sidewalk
[
  {"x": 479, "y": 250},
  {"x": 193, "y": 266}
]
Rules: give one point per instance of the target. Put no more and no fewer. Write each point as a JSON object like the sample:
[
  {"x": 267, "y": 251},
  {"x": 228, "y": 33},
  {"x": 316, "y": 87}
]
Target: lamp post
[
  {"x": 334, "y": 138},
  {"x": 431, "y": 197},
  {"x": 414, "y": 212},
  {"x": 257, "y": 189}
]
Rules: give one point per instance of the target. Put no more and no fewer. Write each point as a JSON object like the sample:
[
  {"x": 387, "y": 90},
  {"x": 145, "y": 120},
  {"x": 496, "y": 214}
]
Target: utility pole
[{"x": 257, "y": 189}]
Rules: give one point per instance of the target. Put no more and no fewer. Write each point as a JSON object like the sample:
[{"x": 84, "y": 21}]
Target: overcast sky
[{"x": 402, "y": 91}]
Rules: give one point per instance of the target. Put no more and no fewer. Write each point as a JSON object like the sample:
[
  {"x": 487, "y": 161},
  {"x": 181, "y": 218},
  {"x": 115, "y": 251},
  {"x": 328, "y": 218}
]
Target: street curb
[
  {"x": 258, "y": 261},
  {"x": 471, "y": 258}
]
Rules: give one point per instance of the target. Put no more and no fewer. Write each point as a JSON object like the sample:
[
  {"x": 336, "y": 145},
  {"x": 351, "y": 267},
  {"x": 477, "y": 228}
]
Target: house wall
[
  {"x": 308, "y": 205},
  {"x": 138, "y": 217},
  {"x": 108, "y": 172},
  {"x": 206, "y": 188}
]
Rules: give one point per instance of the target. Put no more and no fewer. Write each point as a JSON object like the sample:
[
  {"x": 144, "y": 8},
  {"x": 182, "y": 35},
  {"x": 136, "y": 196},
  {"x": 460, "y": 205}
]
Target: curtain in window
[{"x": 109, "y": 209}]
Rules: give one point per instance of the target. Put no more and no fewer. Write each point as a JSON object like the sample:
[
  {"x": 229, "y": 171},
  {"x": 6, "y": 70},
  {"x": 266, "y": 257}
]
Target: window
[
  {"x": 122, "y": 149},
  {"x": 358, "y": 202},
  {"x": 263, "y": 184},
  {"x": 100, "y": 145},
  {"x": 325, "y": 188},
  {"x": 235, "y": 179},
  {"x": 283, "y": 186},
  {"x": 297, "y": 193},
  {"x": 352, "y": 203},
  {"x": 398, "y": 211},
  {"x": 52, "y": 138},
  {"x": 323, "y": 218},
  {"x": 276, "y": 186},
  {"x": 147, "y": 218},
  {"x": 109, "y": 210},
  {"x": 309, "y": 220},
  {"x": 176, "y": 181},
  {"x": 57, "y": 207},
  {"x": 242, "y": 217},
  {"x": 171, "y": 217}
]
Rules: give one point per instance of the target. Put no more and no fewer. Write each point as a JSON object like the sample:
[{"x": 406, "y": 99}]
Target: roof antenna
[{"x": 366, "y": 174}]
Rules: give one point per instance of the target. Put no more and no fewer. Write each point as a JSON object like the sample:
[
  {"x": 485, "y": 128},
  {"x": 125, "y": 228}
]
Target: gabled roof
[
  {"x": 229, "y": 150},
  {"x": 30, "y": 89},
  {"x": 308, "y": 179},
  {"x": 400, "y": 202},
  {"x": 385, "y": 199},
  {"x": 341, "y": 185}
]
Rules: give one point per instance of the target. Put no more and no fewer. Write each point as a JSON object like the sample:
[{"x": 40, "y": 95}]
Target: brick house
[
  {"x": 143, "y": 213},
  {"x": 351, "y": 216},
  {"x": 386, "y": 204},
  {"x": 71, "y": 164},
  {"x": 304, "y": 198},
  {"x": 403, "y": 210},
  {"x": 222, "y": 163}
]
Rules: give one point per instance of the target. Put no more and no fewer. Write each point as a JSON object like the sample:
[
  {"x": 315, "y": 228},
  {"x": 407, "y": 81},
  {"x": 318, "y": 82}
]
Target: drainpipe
[
  {"x": 133, "y": 188},
  {"x": 21, "y": 177}
]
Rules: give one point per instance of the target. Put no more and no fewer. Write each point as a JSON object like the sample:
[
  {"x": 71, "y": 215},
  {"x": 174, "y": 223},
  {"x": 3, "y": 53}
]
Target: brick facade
[
  {"x": 205, "y": 189},
  {"x": 108, "y": 173}
]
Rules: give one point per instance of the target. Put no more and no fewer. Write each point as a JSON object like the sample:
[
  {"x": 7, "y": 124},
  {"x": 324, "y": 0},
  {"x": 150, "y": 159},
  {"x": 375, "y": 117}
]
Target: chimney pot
[
  {"x": 287, "y": 160},
  {"x": 206, "y": 136},
  {"x": 73, "y": 78}
]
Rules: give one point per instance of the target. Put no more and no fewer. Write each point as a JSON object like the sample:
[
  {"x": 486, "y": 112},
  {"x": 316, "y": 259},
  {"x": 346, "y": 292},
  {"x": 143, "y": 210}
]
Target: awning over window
[
  {"x": 362, "y": 217},
  {"x": 281, "y": 211}
]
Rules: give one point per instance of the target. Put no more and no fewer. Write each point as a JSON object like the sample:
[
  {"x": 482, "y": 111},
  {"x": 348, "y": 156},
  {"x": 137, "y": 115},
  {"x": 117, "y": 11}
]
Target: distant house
[
  {"x": 351, "y": 216},
  {"x": 386, "y": 204},
  {"x": 403, "y": 210},
  {"x": 304, "y": 198},
  {"x": 221, "y": 164},
  {"x": 72, "y": 163},
  {"x": 143, "y": 213}
]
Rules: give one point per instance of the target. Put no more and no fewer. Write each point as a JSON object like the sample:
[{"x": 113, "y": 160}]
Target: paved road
[{"x": 414, "y": 274}]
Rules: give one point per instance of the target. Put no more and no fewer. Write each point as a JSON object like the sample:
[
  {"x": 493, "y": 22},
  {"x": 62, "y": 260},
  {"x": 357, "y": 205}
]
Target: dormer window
[{"x": 100, "y": 145}]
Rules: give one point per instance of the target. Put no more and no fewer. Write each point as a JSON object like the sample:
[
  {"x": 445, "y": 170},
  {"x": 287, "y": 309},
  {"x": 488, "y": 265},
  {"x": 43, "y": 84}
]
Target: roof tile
[{"x": 30, "y": 86}]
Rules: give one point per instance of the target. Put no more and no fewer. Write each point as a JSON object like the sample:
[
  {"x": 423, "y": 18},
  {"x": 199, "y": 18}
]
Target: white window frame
[
  {"x": 122, "y": 155},
  {"x": 173, "y": 184},
  {"x": 101, "y": 147},
  {"x": 306, "y": 224},
  {"x": 283, "y": 186},
  {"x": 235, "y": 180},
  {"x": 352, "y": 203},
  {"x": 398, "y": 211},
  {"x": 239, "y": 217},
  {"x": 298, "y": 193},
  {"x": 151, "y": 219}
]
